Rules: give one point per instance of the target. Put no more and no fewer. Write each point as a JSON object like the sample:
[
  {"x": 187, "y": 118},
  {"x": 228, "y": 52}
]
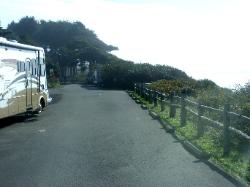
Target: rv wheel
[{"x": 40, "y": 106}]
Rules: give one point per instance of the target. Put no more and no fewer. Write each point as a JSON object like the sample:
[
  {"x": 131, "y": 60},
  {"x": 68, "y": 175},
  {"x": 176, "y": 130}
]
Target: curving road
[{"x": 91, "y": 137}]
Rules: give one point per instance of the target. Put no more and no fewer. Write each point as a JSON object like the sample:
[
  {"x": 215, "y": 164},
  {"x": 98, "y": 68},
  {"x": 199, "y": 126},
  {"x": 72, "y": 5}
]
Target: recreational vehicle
[{"x": 23, "y": 83}]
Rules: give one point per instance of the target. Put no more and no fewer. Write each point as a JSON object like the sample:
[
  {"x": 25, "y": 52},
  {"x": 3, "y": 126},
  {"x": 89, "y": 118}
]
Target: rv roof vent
[{"x": 14, "y": 41}]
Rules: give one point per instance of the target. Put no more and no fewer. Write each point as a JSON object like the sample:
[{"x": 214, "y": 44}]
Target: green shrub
[
  {"x": 168, "y": 86},
  {"x": 53, "y": 82},
  {"x": 248, "y": 172}
]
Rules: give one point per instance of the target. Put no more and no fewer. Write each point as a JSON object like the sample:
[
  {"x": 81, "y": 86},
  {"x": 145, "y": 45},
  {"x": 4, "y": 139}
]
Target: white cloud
[{"x": 205, "y": 41}]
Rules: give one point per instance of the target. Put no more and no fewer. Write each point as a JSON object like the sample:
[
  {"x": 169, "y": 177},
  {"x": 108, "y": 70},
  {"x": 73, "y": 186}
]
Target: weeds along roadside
[{"x": 236, "y": 162}]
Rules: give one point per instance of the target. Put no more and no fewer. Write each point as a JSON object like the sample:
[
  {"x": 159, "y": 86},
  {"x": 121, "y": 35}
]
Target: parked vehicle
[{"x": 23, "y": 82}]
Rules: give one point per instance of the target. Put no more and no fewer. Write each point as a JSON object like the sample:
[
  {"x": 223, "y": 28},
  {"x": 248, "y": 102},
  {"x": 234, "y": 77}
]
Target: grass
[
  {"x": 53, "y": 83},
  {"x": 235, "y": 162}
]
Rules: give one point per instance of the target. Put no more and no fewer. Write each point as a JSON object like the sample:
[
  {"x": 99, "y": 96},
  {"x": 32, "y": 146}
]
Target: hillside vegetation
[{"x": 214, "y": 119}]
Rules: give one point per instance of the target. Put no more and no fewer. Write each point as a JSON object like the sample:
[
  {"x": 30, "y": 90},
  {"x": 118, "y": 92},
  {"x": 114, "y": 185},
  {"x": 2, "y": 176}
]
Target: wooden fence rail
[{"x": 197, "y": 110}]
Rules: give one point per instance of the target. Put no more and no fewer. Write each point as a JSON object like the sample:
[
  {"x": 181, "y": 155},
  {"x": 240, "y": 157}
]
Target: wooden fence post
[
  {"x": 162, "y": 102},
  {"x": 143, "y": 91},
  {"x": 183, "y": 111},
  {"x": 172, "y": 111},
  {"x": 226, "y": 133},
  {"x": 146, "y": 94},
  {"x": 155, "y": 98},
  {"x": 200, "y": 126},
  {"x": 140, "y": 88},
  {"x": 150, "y": 96}
]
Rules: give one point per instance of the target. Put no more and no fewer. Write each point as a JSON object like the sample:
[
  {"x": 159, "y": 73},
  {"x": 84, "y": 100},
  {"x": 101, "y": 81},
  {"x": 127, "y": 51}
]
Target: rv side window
[
  {"x": 29, "y": 68},
  {"x": 20, "y": 66},
  {"x": 41, "y": 61},
  {"x": 32, "y": 69},
  {"x": 42, "y": 70}
]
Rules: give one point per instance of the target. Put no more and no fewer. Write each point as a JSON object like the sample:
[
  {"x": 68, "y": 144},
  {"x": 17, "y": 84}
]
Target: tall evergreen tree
[{"x": 4, "y": 32}]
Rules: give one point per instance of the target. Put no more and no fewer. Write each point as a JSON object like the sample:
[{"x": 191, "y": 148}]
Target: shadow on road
[
  {"x": 198, "y": 161},
  {"x": 94, "y": 87},
  {"x": 89, "y": 87},
  {"x": 17, "y": 119},
  {"x": 26, "y": 119},
  {"x": 55, "y": 98}
]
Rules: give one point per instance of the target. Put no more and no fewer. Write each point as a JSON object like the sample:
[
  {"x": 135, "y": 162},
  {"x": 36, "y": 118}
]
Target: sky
[{"x": 208, "y": 39}]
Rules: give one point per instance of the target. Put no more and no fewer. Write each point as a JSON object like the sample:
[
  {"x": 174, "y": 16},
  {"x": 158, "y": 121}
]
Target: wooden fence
[{"x": 197, "y": 110}]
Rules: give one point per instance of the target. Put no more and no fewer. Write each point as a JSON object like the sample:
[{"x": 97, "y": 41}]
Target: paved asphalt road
[{"x": 90, "y": 137}]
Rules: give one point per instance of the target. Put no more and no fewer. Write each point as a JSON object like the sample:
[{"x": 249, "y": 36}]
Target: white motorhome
[{"x": 23, "y": 83}]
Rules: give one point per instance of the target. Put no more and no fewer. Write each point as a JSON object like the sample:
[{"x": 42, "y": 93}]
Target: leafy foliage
[
  {"x": 211, "y": 142},
  {"x": 209, "y": 94},
  {"x": 177, "y": 86},
  {"x": 242, "y": 96},
  {"x": 205, "y": 84},
  {"x": 123, "y": 74},
  {"x": 69, "y": 42},
  {"x": 61, "y": 34},
  {"x": 242, "y": 105},
  {"x": 4, "y": 33}
]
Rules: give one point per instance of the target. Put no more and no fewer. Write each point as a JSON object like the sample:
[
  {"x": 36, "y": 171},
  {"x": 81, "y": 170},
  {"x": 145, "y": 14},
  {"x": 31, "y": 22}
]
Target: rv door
[{"x": 28, "y": 67}]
